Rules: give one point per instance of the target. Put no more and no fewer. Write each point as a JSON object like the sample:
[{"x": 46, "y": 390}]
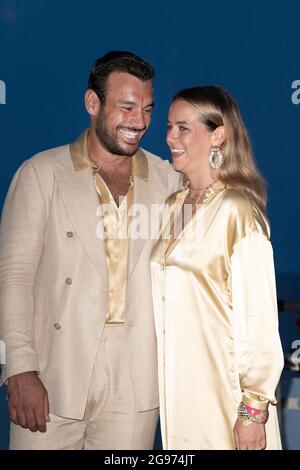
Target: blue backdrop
[{"x": 250, "y": 48}]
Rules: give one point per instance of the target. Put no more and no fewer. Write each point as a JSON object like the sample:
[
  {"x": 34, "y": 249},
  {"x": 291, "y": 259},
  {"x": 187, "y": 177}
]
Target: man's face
[{"x": 125, "y": 115}]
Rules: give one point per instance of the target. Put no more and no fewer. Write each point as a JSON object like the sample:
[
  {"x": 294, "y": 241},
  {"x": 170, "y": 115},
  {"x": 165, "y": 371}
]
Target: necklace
[
  {"x": 200, "y": 189},
  {"x": 118, "y": 191},
  {"x": 200, "y": 192}
]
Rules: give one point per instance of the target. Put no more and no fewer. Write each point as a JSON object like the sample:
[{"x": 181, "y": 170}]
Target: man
[{"x": 76, "y": 305}]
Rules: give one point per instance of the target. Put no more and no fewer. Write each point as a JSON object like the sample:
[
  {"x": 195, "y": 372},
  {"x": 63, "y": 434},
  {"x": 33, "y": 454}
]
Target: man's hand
[
  {"x": 28, "y": 401},
  {"x": 250, "y": 436}
]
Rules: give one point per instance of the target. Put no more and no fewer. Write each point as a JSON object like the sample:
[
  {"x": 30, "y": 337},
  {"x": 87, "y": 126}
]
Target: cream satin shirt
[
  {"x": 216, "y": 321},
  {"x": 116, "y": 221}
]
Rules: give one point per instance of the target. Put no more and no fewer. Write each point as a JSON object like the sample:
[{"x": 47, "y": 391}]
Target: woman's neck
[{"x": 199, "y": 181}]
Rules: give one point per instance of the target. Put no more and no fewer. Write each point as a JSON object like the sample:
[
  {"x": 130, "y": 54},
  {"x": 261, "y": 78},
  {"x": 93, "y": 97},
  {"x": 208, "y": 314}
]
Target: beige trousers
[{"x": 111, "y": 421}]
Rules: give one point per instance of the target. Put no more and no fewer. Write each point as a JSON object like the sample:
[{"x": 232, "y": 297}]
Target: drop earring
[{"x": 215, "y": 158}]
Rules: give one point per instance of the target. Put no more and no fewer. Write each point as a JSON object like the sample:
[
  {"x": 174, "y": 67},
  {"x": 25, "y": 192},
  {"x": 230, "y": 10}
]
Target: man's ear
[
  {"x": 219, "y": 136},
  {"x": 92, "y": 102}
]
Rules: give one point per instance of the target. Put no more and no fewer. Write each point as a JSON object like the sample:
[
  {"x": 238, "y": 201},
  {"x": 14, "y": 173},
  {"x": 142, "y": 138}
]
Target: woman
[{"x": 219, "y": 350}]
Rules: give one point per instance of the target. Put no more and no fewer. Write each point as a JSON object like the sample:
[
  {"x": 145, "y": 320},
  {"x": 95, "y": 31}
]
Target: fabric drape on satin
[{"x": 216, "y": 320}]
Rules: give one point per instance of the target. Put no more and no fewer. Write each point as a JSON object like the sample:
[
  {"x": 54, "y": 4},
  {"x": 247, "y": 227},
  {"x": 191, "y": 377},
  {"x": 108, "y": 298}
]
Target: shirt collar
[
  {"x": 214, "y": 188},
  {"x": 211, "y": 191},
  {"x": 81, "y": 159}
]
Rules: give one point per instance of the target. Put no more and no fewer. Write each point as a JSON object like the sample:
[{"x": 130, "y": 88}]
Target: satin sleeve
[{"x": 255, "y": 319}]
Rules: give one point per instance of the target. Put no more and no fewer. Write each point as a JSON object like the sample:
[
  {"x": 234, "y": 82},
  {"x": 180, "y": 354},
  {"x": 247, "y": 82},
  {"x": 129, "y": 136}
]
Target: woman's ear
[{"x": 219, "y": 136}]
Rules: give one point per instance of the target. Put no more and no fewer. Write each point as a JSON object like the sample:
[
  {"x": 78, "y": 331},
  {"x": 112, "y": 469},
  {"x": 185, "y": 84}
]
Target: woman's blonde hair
[{"x": 217, "y": 108}]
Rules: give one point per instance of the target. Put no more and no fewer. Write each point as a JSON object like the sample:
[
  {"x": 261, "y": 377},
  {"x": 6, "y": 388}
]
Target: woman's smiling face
[{"x": 188, "y": 138}]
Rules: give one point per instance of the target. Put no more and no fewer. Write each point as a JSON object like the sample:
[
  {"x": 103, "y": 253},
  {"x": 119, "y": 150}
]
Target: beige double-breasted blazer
[{"x": 54, "y": 281}]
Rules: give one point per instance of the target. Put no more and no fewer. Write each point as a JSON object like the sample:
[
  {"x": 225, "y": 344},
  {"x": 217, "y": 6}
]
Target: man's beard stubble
[{"x": 109, "y": 141}]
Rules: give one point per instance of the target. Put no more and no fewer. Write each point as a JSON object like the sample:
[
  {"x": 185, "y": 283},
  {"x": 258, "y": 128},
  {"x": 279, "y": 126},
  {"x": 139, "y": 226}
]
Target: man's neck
[{"x": 108, "y": 162}]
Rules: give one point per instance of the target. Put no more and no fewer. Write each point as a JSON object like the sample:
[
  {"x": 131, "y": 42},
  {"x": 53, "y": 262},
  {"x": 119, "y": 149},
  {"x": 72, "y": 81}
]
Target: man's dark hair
[{"x": 117, "y": 61}]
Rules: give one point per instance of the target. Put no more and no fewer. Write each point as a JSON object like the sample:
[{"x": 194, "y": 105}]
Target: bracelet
[{"x": 249, "y": 415}]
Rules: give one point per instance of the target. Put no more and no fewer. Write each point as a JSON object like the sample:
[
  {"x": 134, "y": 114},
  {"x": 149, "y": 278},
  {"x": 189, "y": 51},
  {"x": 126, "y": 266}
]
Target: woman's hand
[{"x": 250, "y": 436}]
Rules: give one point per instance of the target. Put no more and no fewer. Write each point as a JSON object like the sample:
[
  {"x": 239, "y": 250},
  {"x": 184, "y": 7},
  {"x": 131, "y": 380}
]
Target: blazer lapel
[{"x": 81, "y": 201}]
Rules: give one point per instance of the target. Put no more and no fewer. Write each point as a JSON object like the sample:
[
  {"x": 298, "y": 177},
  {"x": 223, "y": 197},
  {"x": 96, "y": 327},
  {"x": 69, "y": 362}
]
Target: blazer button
[
  {"x": 68, "y": 281},
  {"x": 57, "y": 326},
  {"x": 69, "y": 234}
]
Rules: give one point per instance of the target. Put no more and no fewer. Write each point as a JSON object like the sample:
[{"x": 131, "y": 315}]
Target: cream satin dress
[{"x": 216, "y": 321}]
